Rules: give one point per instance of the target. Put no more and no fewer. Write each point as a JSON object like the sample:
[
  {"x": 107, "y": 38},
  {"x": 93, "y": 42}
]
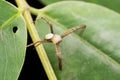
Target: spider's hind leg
[
  {"x": 82, "y": 30},
  {"x": 58, "y": 53},
  {"x": 69, "y": 31}
]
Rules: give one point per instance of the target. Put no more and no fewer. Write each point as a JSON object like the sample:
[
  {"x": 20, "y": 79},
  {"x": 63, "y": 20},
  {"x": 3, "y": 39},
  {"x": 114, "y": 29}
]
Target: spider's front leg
[
  {"x": 37, "y": 43},
  {"x": 50, "y": 25}
]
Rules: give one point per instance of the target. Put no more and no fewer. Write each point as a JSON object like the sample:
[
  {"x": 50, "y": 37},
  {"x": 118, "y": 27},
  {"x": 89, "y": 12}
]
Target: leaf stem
[
  {"x": 34, "y": 10},
  {"x": 35, "y": 37}
]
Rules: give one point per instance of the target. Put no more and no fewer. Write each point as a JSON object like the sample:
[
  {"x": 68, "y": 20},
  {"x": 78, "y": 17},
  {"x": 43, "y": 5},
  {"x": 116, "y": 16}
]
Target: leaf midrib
[{"x": 9, "y": 20}]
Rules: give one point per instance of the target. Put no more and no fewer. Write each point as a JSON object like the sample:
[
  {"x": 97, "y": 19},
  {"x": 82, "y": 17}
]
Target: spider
[{"x": 56, "y": 39}]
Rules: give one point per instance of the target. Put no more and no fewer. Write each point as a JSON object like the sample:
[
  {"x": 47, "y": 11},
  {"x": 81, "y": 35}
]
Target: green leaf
[
  {"x": 12, "y": 41},
  {"x": 49, "y": 1},
  {"x": 96, "y": 55},
  {"x": 112, "y": 4}
]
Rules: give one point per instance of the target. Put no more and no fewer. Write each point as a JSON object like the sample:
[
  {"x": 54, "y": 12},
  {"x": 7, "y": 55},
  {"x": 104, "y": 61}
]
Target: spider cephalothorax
[{"x": 56, "y": 39}]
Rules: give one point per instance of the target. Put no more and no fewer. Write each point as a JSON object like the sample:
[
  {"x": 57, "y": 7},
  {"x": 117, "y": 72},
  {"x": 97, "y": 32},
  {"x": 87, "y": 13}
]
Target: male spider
[{"x": 56, "y": 39}]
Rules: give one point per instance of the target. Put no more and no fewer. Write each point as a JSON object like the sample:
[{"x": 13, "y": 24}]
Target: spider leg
[
  {"x": 72, "y": 30},
  {"x": 82, "y": 31},
  {"x": 58, "y": 53},
  {"x": 38, "y": 43},
  {"x": 50, "y": 25}
]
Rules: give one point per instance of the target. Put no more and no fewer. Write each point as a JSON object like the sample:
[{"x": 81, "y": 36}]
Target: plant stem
[{"x": 35, "y": 37}]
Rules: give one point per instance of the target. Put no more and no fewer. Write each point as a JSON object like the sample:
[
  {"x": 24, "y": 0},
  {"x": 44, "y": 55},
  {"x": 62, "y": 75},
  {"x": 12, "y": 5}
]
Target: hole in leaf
[{"x": 15, "y": 29}]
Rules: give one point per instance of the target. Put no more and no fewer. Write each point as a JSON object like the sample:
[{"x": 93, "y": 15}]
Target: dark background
[{"x": 32, "y": 68}]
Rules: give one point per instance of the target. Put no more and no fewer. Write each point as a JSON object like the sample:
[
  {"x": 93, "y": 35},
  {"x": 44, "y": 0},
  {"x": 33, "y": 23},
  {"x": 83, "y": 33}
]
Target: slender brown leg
[
  {"x": 72, "y": 30},
  {"x": 58, "y": 52},
  {"x": 51, "y": 27},
  {"x": 38, "y": 43}
]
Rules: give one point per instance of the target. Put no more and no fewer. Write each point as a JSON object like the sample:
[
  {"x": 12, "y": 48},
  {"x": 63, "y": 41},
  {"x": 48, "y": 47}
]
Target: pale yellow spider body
[{"x": 56, "y": 39}]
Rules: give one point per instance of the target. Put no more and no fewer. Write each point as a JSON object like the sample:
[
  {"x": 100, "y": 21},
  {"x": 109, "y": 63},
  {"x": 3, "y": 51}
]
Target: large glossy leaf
[
  {"x": 96, "y": 55},
  {"x": 112, "y": 4},
  {"x": 12, "y": 41}
]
